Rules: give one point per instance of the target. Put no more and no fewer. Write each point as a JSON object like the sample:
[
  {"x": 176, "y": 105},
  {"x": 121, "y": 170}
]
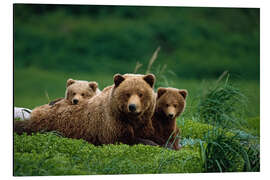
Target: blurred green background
[{"x": 55, "y": 42}]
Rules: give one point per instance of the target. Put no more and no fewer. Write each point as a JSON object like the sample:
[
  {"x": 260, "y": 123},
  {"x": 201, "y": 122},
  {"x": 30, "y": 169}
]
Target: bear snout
[
  {"x": 75, "y": 101},
  {"x": 134, "y": 104},
  {"x": 171, "y": 115},
  {"x": 132, "y": 107}
]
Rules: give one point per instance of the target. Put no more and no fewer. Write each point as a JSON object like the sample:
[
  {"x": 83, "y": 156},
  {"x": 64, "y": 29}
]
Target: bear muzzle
[
  {"x": 132, "y": 107},
  {"x": 75, "y": 101},
  {"x": 171, "y": 112},
  {"x": 171, "y": 115}
]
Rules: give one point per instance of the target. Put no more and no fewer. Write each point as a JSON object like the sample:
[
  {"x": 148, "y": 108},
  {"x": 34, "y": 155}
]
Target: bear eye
[
  {"x": 73, "y": 94},
  {"x": 140, "y": 94},
  {"x": 127, "y": 94},
  {"x": 82, "y": 94},
  {"x": 167, "y": 105},
  {"x": 175, "y": 105}
]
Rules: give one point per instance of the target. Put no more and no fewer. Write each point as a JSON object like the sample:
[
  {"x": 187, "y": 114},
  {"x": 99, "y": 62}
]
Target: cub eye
[
  {"x": 82, "y": 94},
  {"x": 175, "y": 105},
  {"x": 127, "y": 94},
  {"x": 167, "y": 105},
  {"x": 73, "y": 94},
  {"x": 140, "y": 94}
]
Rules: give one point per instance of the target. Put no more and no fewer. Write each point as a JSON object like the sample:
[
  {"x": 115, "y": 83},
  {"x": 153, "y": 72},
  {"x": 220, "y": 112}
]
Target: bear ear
[
  {"x": 70, "y": 81},
  {"x": 150, "y": 79},
  {"x": 183, "y": 93},
  {"x": 93, "y": 85},
  {"x": 160, "y": 92},
  {"x": 118, "y": 78}
]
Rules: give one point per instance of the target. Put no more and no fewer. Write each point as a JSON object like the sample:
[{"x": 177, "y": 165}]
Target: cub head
[
  {"x": 133, "y": 93},
  {"x": 171, "y": 102},
  {"x": 77, "y": 91}
]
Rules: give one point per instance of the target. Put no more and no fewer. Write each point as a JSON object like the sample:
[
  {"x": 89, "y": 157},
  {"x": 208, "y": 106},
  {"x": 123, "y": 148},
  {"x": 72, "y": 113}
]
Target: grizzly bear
[
  {"x": 78, "y": 91},
  {"x": 170, "y": 104},
  {"x": 121, "y": 113}
]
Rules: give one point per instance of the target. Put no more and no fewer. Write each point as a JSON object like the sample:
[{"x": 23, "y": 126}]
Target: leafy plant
[
  {"x": 222, "y": 104},
  {"x": 221, "y": 153}
]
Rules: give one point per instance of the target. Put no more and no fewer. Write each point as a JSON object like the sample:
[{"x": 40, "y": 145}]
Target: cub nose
[
  {"x": 132, "y": 107},
  {"x": 75, "y": 101},
  {"x": 171, "y": 115}
]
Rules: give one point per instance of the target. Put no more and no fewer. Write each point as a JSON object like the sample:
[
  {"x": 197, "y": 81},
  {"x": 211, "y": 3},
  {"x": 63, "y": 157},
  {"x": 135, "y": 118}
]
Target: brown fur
[
  {"x": 106, "y": 118},
  {"x": 170, "y": 104}
]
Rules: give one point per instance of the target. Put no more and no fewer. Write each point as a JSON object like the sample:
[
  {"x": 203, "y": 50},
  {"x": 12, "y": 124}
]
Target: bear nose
[
  {"x": 132, "y": 107},
  {"x": 75, "y": 101},
  {"x": 171, "y": 115}
]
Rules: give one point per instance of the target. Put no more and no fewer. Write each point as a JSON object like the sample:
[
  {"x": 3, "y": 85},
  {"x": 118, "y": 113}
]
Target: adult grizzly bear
[
  {"x": 120, "y": 113},
  {"x": 170, "y": 104}
]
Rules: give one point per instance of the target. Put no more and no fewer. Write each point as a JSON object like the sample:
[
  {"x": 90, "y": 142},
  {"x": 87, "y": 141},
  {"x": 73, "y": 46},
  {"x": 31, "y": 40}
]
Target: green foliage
[
  {"x": 222, "y": 153},
  {"x": 222, "y": 105},
  {"x": 49, "y": 154},
  {"x": 100, "y": 38},
  {"x": 221, "y": 150},
  {"x": 253, "y": 153},
  {"x": 193, "y": 129},
  {"x": 253, "y": 125},
  {"x": 197, "y": 130}
]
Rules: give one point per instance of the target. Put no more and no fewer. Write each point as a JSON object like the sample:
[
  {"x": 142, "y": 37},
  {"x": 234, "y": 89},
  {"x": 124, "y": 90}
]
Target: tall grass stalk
[
  {"x": 137, "y": 67},
  {"x": 152, "y": 60},
  {"x": 47, "y": 96}
]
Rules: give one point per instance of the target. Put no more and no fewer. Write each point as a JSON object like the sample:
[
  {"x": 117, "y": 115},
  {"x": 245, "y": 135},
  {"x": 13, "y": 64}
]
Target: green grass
[{"x": 49, "y": 154}]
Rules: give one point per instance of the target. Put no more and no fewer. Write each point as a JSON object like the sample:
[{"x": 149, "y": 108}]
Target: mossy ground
[{"x": 49, "y": 154}]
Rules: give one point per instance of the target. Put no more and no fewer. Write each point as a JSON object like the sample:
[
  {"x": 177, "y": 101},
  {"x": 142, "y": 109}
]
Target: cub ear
[
  {"x": 93, "y": 85},
  {"x": 160, "y": 92},
  {"x": 118, "y": 78},
  {"x": 150, "y": 79},
  {"x": 70, "y": 81},
  {"x": 183, "y": 93}
]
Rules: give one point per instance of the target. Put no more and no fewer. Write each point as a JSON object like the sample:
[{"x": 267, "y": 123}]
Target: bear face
[
  {"x": 170, "y": 102},
  {"x": 77, "y": 91},
  {"x": 133, "y": 94}
]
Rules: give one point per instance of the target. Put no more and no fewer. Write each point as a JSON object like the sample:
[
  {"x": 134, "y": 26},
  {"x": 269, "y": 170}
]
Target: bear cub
[
  {"x": 77, "y": 91},
  {"x": 170, "y": 104}
]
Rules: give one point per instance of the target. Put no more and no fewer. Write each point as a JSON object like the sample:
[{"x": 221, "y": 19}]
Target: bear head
[
  {"x": 133, "y": 93},
  {"x": 78, "y": 91},
  {"x": 170, "y": 102}
]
